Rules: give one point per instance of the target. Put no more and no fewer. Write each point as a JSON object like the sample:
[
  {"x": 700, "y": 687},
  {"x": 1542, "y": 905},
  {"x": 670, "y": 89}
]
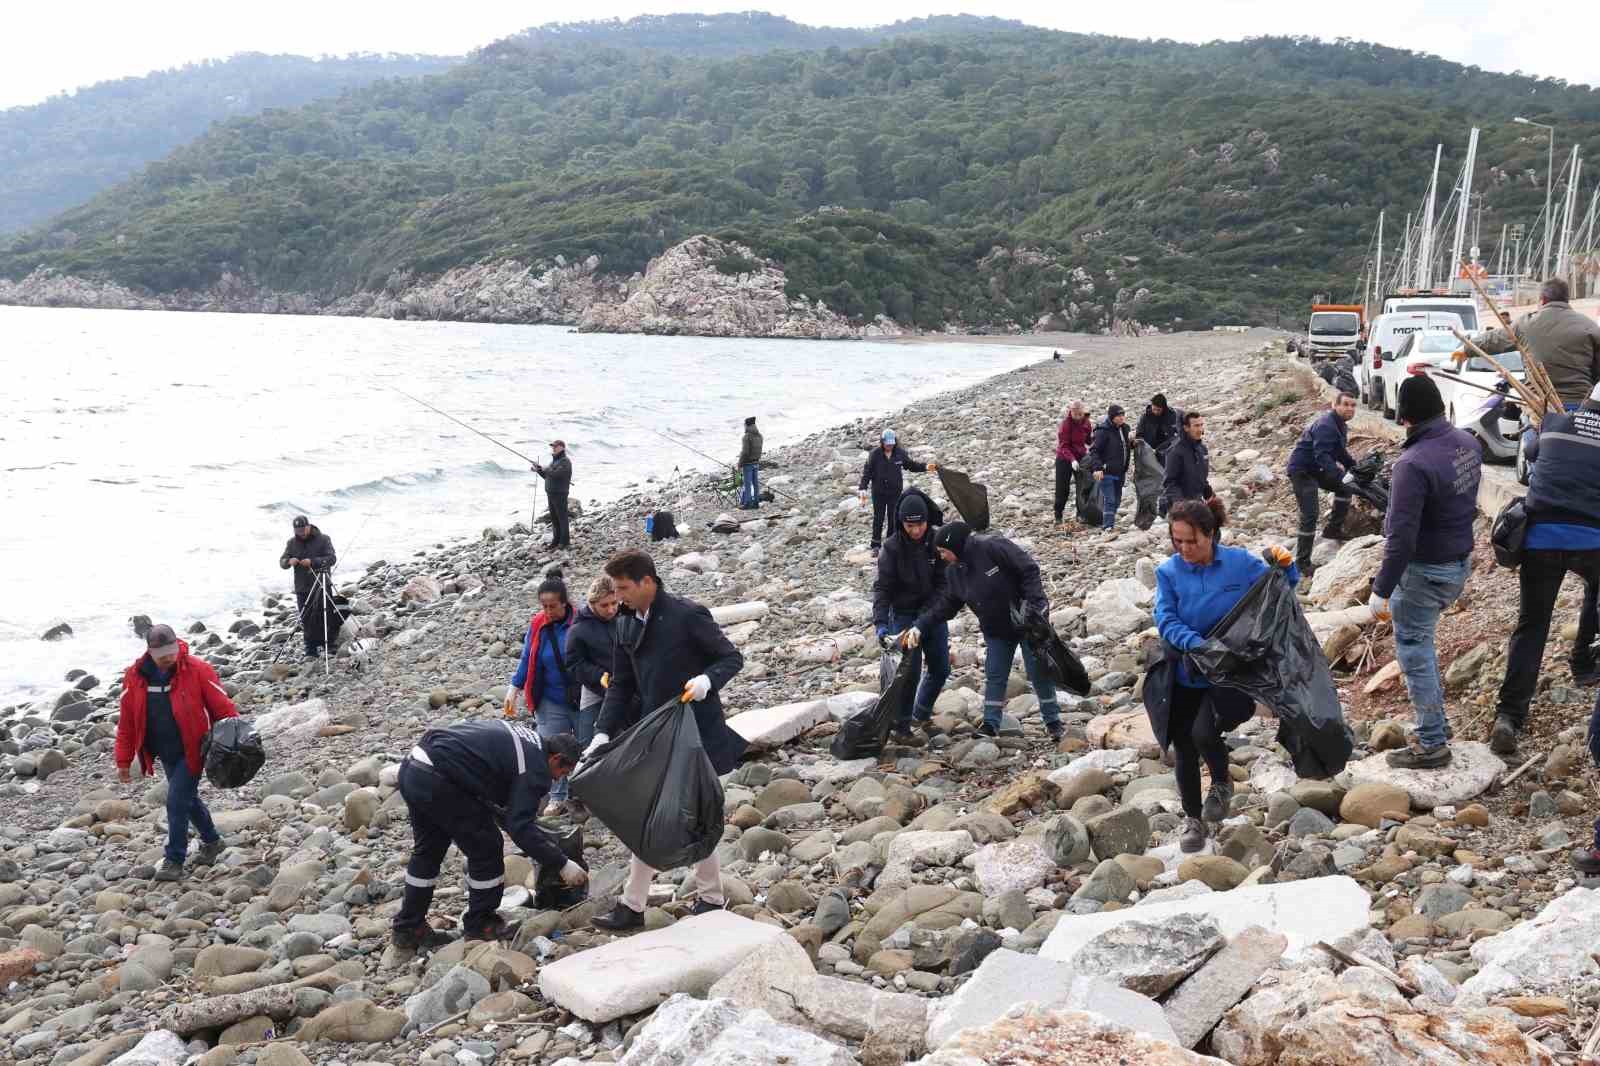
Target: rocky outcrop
[
  {"x": 711, "y": 288},
  {"x": 46, "y": 287},
  {"x": 503, "y": 291}
]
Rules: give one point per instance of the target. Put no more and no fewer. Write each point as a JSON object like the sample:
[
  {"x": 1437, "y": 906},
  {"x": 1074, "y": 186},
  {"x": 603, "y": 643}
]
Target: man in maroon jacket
[{"x": 169, "y": 701}]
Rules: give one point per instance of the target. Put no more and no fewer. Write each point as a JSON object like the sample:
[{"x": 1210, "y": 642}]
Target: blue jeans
[
  {"x": 999, "y": 652},
  {"x": 555, "y": 716},
  {"x": 1110, "y": 500},
  {"x": 1425, "y": 590},
  {"x": 184, "y": 806},
  {"x": 933, "y": 651},
  {"x": 750, "y": 491}
]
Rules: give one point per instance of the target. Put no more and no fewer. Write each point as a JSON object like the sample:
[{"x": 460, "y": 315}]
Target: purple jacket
[{"x": 1432, "y": 501}]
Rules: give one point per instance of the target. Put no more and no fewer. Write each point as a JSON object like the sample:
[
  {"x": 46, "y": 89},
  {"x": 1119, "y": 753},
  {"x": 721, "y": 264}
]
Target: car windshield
[
  {"x": 1511, "y": 360},
  {"x": 1340, "y": 323},
  {"x": 1467, "y": 315},
  {"x": 1433, "y": 343}
]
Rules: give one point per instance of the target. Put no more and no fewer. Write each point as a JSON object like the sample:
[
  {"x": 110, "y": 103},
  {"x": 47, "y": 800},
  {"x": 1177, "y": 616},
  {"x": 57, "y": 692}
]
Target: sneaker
[
  {"x": 1503, "y": 738},
  {"x": 1056, "y": 731},
  {"x": 902, "y": 734},
  {"x": 1587, "y": 862},
  {"x": 705, "y": 906},
  {"x": 208, "y": 852},
  {"x": 988, "y": 729},
  {"x": 621, "y": 919},
  {"x": 423, "y": 938},
  {"x": 1218, "y": 801},
  {"x": 496, "y": 928},
  {"x": 169, "y": 871},
  {"x": 1416, "y": 757},
  {"x": 1193, "y": 837},
  {"x": 927, "y": 726}
]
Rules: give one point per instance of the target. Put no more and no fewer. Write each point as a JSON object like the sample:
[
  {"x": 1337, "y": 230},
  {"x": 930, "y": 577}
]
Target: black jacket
[
  {"x": 910, "y": 575},
  {"x": 1188, "y": 471},
  {"x": 1158, "y": 431},
  {"x": 882, "y": 472},
  {"x": 557, "y": 475},
  {"x": 591, "y": 643},
  {"x": 1563, "y": 485},
  {"x": 1323, "y": 451},
  {"x": 750, "y": 446},
  {"x": 1222, "y": 709},
  {"x": 655, "y": 659},
  {"x": 991, "y": 575},
  {"x": 318, "y": 548},
  {"x": 502, "y": 763},
  {"x": 1110, "y": 450}
]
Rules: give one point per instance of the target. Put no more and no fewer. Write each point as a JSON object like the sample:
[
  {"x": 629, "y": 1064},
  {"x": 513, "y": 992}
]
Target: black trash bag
[
  {"x": 232, "y": 753},
  {"x": 1265, "y": 648},
  {"x": 550, "y": 893},
  {"x": 968, "y": 496},
  {"x": 654, "y": 787},
  {"x": 1148, "y": 476},
  {"x": 663, "y": 526},
  {"x": 935, "y": 512},
  {"x": 1055, "y": 658},
  {"x": 1088, "y": 499},
  {"x": 862, "y": 736},
  {"x": 888, "y": 663},
  {"x": 323, "y": 618}
]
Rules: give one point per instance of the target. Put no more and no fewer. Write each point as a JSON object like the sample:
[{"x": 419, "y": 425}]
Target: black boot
[
  {"x": 423, "y": 938},
  {"x": 492, "y": 928},
  {"x": 1503, "y": 738},
  {"x": 621, "y": 919}
]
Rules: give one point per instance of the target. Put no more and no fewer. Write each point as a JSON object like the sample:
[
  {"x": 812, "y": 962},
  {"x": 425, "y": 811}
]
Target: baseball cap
[
  {"x": 558, "y": 444},
  {"x": 301, "y": 521},
  {"x": 888, "y": 436},
  {"x": 161, "y": 640}
]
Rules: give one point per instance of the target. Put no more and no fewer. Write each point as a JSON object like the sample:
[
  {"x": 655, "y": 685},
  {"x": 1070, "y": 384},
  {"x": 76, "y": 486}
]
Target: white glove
[
  {"x": 697, "y": 688},
  {"x": 912, "y": 637},
  {"x": 1074, "y": 466},
  {"x": 573, "y": 875},
  {"x": 1349, "y": 479},
  {"x": 600, "y": 739},
  {"x": 1380, "y": 607},
  {"x": 863, "y": 495},
  {"x": 510, "y": 708}
]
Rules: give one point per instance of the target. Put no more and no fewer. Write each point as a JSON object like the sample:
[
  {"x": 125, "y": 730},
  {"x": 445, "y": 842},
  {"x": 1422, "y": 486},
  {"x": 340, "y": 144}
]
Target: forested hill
[
  {"x": 61, "y": 152},
  {"x": 1224, "y": 182},
  {"x": 745, "y": 32}
]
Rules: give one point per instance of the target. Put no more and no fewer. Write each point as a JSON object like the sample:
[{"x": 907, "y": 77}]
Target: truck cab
[
  {"x": 1461, "y": 305},
  {"x": 1334, "y": 331}
]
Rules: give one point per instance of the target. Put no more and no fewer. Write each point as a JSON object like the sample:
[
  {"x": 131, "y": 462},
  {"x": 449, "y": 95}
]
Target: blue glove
[{"x": 883, "y": 633}]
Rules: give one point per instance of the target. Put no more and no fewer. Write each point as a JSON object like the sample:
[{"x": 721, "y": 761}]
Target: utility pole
[{"x": 1549, "y": 185}]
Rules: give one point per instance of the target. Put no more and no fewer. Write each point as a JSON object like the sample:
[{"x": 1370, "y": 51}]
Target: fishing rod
[
  {"x": 725, "y": 465},
  {"x": 463, "y": 425}
]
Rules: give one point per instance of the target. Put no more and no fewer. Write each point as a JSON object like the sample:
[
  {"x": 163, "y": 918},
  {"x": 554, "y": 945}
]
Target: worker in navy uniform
[{"x": 462, "y": 784}]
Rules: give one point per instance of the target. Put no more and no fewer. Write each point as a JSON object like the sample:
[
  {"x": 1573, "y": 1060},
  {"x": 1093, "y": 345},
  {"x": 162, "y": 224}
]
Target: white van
[
  {"x": 1384, "y": 339},
  {"x": 1463, "y": 307}
]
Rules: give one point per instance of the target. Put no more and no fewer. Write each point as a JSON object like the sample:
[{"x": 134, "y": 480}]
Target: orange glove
[
  {"x": 605, "y": 680},
  {"x": 1280, "y": 557}
]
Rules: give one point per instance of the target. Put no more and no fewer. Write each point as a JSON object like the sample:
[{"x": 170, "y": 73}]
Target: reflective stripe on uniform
[
  {"x": 492, "y": 883},
  {"x": 159, "y": 688},
  {"x": 421, "y": 882},
  {"x": 421, "y": 756},
  {"x": 517, "y": 737}
]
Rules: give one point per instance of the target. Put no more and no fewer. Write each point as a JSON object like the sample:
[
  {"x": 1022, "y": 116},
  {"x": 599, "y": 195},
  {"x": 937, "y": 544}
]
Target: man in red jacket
[{"x": 169, "y": 701}]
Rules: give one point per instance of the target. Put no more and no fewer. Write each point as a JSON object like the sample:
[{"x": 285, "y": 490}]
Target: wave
[{"x": 399, "y": 483}]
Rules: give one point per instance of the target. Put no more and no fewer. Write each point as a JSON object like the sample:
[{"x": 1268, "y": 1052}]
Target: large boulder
[
  {"x": 1349, "y": 575},
  {"x": 1028, "y": 1034},
  {"x": 715, "y": 1032},
  {"x": 1370, "y": 1034},
  {"x": 1118, "y": 607},
  {"x": 1473, "y": 768},
  {"x": 1150, "y": 957},
  {"x": 1200, "y": 1002},
  {"x": 1546, "y": 952}
]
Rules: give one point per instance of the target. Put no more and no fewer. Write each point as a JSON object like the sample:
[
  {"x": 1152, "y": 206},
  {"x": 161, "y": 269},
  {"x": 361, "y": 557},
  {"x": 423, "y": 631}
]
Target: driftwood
[
  {"x": 1519, "y": 771},
  {"x": 1355, "y": 958},
  {"x": 219, "y": 1012}
]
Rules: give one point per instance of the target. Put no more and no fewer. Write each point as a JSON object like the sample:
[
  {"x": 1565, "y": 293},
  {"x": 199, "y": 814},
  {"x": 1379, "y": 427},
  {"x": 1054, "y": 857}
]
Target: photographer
[{"x": 310, "y": 553}]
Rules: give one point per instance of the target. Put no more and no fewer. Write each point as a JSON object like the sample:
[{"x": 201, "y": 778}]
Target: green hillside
[
  {"x": 1223, "y": 182},
  {"x": 61, "y": 152}
]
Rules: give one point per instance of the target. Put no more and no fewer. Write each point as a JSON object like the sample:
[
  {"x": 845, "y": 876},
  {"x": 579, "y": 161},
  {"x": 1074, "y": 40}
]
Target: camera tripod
[{"x": 320, "y": 605}]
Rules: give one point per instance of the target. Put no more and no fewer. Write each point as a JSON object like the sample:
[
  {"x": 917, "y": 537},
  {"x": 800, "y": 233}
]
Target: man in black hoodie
[
  {"x": 1109, "y": 457},
  {"x": 993, "y": 577},
  {"x": 1158, "y": 426},
  {"x": 310, "y": 553},
  {"x": 910, "y": 576}
]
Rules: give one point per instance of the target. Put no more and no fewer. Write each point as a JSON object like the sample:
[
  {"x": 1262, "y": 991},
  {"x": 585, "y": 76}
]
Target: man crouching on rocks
[
  {"x": 461, "y": 784},
  {"x": 991, "y": 575},
  {"x": 170, "y": 699},
  {"x": 667, "y": 648}
]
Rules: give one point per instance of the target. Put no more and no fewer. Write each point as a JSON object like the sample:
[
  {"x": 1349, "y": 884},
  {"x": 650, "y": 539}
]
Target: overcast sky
[{"x": 52, "y": 47}]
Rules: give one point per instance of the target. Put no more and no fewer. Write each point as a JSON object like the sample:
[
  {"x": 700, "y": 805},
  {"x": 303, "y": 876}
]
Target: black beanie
[
  {"x": 953, "y": 536},
  {"x": 1158, "y": 400},
  {"x": 913, "y": 509},
  {"x": 750, "y": 421},
  {"x": 1113, "y": 411},
  {"x": 1419, "y": 400}
]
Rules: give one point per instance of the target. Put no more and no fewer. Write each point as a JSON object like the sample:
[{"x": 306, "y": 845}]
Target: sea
[{"x": 151, "y": 462}]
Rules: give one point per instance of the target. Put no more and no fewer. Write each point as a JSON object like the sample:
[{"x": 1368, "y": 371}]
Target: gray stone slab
[{"x": 1201, "y": 1001}]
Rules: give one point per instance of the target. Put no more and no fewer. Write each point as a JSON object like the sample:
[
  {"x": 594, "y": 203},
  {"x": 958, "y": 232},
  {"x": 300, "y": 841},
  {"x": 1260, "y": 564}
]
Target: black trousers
[
  {"x": 1064, "y": 485},
  {"x": 880, "y": 510},
  {"x": 1307, "y": 494},
  {"x": 560, "y": 535},
  {"x": 442, "y": 814},
  {"x": 1194, "y": 734},
  {"x": 1540, "y": 577}
]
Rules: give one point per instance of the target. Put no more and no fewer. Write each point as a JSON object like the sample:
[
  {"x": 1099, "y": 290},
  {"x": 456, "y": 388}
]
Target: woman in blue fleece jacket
[{"x": 1195, "y": 588}]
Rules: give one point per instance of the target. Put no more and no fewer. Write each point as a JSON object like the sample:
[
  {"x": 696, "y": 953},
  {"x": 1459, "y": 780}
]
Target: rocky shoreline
[
  {"x": 883, "y": 911},
  {"x": 699, "y": 287}
]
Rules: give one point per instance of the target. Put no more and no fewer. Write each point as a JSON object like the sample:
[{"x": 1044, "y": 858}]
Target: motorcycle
[{"x": 1498, "y": 425}]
